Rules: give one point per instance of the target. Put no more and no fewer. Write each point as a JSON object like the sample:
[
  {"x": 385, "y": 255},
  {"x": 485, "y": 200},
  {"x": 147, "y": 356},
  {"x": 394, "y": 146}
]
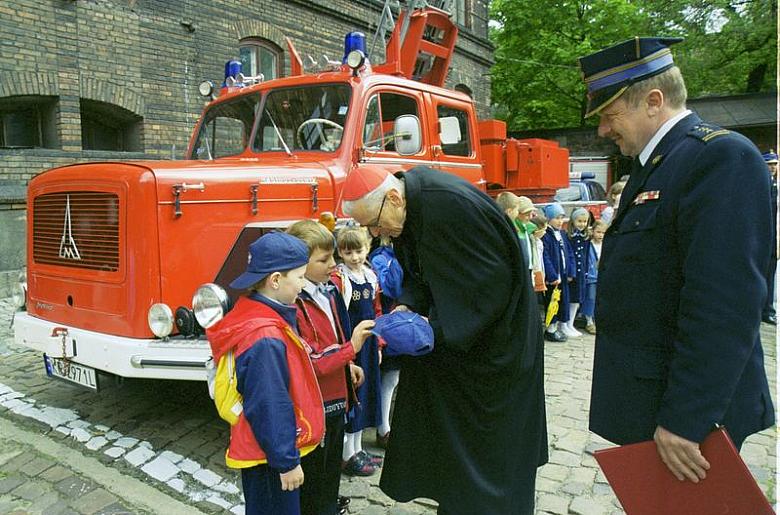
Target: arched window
[
  {"x": 260, "y": 56},
  {"x": 109, "y": 127}
]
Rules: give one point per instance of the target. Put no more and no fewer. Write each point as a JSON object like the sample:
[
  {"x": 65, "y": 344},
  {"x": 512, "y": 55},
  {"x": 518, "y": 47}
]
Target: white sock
[
  {"x": 349, "y": 446},
  {"x": 562, "y": 327},
  {"x": 572, "y": 313},
  {"x": 389, "y": 382},
  {"x": 358, "y": 441},
  {"x": 552, "y": 327},
  {"x": 589, "y": 320}
]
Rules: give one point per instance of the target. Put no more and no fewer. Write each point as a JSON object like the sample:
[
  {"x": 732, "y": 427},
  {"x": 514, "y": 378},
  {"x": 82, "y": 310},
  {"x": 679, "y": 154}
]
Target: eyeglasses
[{"x": 375, "y": 223}]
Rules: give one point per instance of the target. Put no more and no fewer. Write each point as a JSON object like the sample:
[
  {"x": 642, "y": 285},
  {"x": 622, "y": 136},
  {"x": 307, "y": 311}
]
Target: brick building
[{"x": 87, "y": 80}]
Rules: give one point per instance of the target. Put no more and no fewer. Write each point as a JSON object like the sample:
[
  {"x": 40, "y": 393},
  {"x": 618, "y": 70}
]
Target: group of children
[
  {"x": 562, "y": 259},
  {"x": 305, "y": 321}
]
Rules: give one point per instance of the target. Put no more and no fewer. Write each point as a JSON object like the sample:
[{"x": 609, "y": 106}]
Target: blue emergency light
[
  {"x": 232, "y": 69},
  {"x": 354, "y": 41}
]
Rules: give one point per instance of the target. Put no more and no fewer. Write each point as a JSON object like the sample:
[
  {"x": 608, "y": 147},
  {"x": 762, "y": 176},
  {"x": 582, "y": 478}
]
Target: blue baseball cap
[
  {"x": 388, "y": 270},
  {"x": 405, "y": 333},
  {"x": 770, "y": 157},
  {"x": 272, "y": 252},
  {"x": 609, "y": 72}
]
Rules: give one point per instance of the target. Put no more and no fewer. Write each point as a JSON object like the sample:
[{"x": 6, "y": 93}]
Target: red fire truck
[{"x": 122, "y": 256}]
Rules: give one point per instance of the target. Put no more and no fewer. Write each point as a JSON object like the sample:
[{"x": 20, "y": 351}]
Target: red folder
[{"x": 645, "y": 486}]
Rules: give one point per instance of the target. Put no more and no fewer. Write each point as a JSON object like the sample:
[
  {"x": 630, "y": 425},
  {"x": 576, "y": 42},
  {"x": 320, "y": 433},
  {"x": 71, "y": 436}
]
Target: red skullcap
[{"x": 361, "y": 182}]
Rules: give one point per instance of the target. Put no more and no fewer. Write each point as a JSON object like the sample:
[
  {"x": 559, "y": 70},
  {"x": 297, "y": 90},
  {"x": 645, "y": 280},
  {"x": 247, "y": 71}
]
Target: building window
[
  {"x": 259, "y": 56},
  {"x": 461, "y": 12},
  {"x": 109, "y": 127},
  {"x": 28, "y": 121}
]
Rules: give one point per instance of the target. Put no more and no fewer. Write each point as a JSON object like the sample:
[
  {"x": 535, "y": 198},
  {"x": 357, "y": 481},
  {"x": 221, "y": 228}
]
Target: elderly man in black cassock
[{"x": 469, "y": 426}]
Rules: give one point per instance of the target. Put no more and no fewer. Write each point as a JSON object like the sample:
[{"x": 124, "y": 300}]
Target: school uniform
[
  {"x": 360, "y": 297},
  {"x": 557, "y": 264}
]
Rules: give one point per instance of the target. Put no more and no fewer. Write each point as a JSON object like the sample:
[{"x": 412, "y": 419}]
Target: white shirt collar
[{"x": 659, "y": 134}]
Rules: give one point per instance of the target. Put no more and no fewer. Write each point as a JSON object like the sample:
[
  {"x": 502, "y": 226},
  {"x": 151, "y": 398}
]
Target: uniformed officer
[
  {"x": 680, "y": 293},
  {"x": 768, "y": 314}
]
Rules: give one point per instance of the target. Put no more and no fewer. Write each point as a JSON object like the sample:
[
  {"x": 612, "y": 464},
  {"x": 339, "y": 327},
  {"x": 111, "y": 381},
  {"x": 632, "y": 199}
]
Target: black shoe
[
  {"x": 770, "y": 319},
  {"x": 557, "y": 336},
  {"x": 343, "y": 503}
]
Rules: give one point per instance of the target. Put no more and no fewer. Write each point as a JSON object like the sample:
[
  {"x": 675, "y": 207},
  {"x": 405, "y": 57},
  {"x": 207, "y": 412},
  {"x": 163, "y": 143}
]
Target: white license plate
[{"x": 70, "y": 371}]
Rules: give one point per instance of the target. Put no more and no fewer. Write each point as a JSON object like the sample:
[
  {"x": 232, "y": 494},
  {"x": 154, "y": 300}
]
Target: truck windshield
[
  {"x": 303, "y": 118},
  {"x": 225, "y": 129}
]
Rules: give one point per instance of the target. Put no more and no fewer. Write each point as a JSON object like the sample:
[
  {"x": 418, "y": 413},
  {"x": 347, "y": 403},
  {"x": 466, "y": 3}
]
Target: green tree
[{"x": 730, "y": 47}]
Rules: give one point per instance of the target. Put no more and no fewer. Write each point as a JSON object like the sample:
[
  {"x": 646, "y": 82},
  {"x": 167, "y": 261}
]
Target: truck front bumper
[{"x": 125, "y": 357}]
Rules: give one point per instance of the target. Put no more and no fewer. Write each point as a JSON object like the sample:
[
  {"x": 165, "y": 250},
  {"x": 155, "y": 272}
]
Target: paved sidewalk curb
[{"x": 129, "y": 489}]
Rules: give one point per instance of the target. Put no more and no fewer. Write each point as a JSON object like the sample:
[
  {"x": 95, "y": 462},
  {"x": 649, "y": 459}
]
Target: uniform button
[{"x": 636, "y": 224}]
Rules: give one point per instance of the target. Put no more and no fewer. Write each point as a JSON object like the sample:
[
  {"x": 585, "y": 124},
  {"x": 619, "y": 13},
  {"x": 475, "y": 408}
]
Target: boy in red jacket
[
  {"x": 282, "y": 418},
  {"x": 323, "y": 323}
]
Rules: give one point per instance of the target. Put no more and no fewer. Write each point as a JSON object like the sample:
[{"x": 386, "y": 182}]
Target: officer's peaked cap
[{"x": 609, "y": 72}]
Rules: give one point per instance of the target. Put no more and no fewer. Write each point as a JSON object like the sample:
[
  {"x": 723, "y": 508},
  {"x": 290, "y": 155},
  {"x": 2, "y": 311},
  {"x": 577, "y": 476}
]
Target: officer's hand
[
  {"x": 556, "y": 282},
  {"x": 682, "y": 457},
  {"x": 360, "y": 333},
  {"x": 357, "y": 374},
  {"x": 292, "y": 479}
]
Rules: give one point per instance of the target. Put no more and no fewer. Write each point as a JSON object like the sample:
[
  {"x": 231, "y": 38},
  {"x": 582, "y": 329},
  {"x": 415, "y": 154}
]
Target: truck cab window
[
  {"x": 303, "y": 118},
  {"x": 381, "y": 113},
  {"x": 225, "y": 129},
  {"x": 454, "y": 131}
]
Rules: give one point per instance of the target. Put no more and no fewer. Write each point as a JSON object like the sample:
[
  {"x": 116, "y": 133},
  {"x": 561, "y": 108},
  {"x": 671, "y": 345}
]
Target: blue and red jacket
[{"x": 282, "y": 418}]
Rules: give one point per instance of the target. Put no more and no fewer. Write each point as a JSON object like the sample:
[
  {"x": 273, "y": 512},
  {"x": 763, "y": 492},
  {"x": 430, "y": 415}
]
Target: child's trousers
[
  {"x": 263, "y": 493},
  {"x": 322, "y": 470}
]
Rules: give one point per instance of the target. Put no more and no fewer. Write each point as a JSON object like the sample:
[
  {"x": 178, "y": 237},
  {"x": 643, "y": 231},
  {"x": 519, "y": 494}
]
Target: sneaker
[
  {"x": 557, "y": 336},
  {"x": 357, "y": 465},
  {"x": 374, "y": 459},
  {"x": 381, "y": 440},
  {"x": 591, "y": 328},
  {"x": 343, "y": 503},
  {"x": 570, "y": 331}
]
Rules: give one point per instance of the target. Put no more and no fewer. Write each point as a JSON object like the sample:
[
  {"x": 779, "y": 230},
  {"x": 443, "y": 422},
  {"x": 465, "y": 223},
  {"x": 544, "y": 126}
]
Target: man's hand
[
  {"x": 357, "y": 375},
  {"x": 682, "y": 457},
  {"x": 292, "y": 479}
]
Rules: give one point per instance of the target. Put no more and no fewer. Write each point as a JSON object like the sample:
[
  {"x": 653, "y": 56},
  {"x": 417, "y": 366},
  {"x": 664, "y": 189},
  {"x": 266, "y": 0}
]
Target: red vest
[{"x": 250, "y": 321}]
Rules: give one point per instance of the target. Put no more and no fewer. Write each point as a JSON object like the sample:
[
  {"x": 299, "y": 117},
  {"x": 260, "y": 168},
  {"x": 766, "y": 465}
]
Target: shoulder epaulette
[{"x": 707, "y": 132}]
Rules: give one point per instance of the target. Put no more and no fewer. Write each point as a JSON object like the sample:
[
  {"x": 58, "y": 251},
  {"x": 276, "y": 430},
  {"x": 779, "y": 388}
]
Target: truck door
[
  {"x": 455, "y": 142},
  {"x": 377, "y": 145}
]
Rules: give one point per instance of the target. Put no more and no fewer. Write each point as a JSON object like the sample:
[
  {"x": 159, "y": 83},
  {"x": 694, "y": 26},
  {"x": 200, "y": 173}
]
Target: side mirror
[
  {"x": 449, "y": 130},
  {"x": 406, "y": 135}
]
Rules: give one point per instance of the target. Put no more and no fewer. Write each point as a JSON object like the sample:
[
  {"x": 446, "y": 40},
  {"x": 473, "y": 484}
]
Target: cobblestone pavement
[{"x": 167, "y": 435}]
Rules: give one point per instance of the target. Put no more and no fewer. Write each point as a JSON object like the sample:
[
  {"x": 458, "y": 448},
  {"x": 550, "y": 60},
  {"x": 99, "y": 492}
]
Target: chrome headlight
[
  {"x": 160, "y": 319},
  {"x": 210, "y": 303},
  {"x": 206, "y": 88},
  {"x": 19, "y": 290}
]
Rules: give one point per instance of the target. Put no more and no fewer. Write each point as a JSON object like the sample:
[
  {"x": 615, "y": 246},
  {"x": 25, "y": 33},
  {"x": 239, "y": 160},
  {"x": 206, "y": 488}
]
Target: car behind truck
[{"x": 125, "y": 258}]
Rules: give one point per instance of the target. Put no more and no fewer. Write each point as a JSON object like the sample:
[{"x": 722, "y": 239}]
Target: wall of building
[{"x": 145, "y": 58}]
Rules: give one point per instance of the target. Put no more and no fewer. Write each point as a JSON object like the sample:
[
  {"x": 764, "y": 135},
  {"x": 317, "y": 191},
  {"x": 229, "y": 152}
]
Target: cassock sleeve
[{"x": 466, "y": 262}]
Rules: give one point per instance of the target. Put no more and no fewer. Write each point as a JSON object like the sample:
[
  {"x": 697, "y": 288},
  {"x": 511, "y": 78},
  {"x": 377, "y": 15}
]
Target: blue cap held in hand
[
  {"x": 405, "y": 333},
  {"x": 272, "y": 252}
]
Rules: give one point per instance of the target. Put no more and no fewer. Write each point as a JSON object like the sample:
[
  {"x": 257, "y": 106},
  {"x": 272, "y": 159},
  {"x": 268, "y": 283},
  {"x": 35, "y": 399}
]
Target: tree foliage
[{"x": 730, "y": 47}]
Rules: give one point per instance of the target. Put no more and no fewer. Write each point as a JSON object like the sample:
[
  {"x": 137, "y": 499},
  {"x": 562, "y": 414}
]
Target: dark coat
[
  {"x": 680, "y": 291},
  {"x": 469, "y": 426}
]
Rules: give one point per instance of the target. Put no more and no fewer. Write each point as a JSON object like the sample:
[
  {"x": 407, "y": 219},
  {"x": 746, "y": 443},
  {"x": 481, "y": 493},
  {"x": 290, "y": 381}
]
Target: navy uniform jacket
[{"x": 680, "y": 293}]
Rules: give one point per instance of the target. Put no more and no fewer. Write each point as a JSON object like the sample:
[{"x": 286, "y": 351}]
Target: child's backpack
[{"x": 223, "y": 387}]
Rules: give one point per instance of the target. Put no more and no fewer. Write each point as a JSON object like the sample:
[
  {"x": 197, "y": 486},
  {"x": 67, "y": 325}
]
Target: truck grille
[{"x": 78, "y": 229}]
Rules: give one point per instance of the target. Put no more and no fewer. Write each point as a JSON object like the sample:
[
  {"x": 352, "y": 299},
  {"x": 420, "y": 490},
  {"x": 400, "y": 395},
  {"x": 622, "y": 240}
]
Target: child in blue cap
[
  {"x": 557, "y": 268},
  {"x": 280, "y": 418}
]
